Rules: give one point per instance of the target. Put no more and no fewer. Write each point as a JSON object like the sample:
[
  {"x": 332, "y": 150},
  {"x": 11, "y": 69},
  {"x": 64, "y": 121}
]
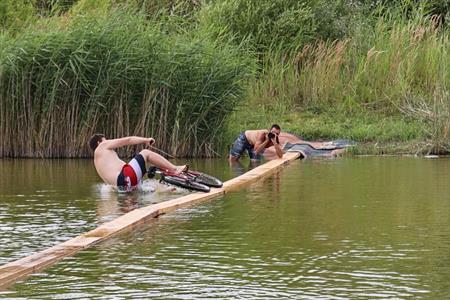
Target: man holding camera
[{"x": 255, "y": 142}]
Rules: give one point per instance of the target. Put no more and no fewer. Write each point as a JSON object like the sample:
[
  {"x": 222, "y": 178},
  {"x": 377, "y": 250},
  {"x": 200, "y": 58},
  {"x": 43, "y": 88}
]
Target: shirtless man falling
[
  {"x": 255, "y": 142},
  {"x": 116, "y": 172}
]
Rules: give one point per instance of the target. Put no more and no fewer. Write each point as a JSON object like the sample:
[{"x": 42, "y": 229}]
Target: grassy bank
[
  {"x": 375, "y": 133},
  {"x": 389, "y": 83}
]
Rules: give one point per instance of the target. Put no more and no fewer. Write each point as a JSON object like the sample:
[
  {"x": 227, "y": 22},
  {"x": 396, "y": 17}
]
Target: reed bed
[{"x": 120, "y": 75}]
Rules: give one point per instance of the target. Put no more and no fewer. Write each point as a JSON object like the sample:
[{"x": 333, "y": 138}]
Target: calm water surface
[{"x": 348, "y": 228}]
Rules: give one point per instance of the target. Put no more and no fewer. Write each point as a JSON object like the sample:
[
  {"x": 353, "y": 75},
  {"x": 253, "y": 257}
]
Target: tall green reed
[
  {"x": 118, "y": 75},
  {"x": 15, "y": 14}
]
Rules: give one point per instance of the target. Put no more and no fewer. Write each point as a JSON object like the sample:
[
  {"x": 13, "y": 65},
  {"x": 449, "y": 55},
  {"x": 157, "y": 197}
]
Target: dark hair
[
  {"x": 93, "y": 142},
  {"x": 276, "y": 126}
]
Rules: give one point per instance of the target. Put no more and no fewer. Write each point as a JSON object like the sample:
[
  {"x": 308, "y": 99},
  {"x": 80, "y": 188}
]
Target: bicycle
[{"x": 188, "y": 179}]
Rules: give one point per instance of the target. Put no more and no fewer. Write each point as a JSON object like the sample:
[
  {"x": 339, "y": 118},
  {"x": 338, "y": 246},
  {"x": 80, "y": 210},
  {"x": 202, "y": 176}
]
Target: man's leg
[
  {"x": 252, "y": 154},
  {"x": 233, "y": 158},
  {"x": 236, "y": 166},
  {"x": 160, "y": 162},
  {"x": 238, "y": 148}
]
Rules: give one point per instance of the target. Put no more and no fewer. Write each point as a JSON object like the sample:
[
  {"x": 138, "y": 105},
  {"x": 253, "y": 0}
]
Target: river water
[{"x": 347, "y": 228}]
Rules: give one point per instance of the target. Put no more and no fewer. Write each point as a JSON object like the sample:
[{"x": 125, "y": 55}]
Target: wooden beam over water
[{"x": 13, "y": 271}]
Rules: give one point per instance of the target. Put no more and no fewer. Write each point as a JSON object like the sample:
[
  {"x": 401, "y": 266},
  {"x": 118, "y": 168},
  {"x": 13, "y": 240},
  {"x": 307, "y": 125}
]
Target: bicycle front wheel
[
  {"x": 185, "y": 183},
  {"x": 208, "y": 180}
]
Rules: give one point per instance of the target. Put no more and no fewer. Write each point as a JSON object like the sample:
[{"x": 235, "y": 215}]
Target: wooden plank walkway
[{"x": 13, "y": 271}]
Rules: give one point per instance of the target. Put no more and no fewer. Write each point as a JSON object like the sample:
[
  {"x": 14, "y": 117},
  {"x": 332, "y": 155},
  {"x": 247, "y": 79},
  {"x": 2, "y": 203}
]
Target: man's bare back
[
  {"x": 107, "y": 163},
  {"x": 256, "y": 136},
  {"x": 109, "y": 166}
]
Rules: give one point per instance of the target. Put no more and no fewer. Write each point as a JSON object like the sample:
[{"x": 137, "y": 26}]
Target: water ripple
[{"x": 342, "y": 229}]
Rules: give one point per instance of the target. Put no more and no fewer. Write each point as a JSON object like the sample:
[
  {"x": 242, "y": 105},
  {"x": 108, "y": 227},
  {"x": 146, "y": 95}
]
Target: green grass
[
  {"x": 329, "y": 125},
  {"x": 374, "y": 133}
]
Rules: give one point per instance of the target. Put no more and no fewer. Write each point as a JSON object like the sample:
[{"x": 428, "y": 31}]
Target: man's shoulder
[
  {"x": 101, "y": 149},
  {"x": 261, "y": 133}
]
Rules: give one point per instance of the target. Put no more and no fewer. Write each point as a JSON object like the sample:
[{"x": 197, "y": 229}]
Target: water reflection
[{"x": 239, "y": 167}]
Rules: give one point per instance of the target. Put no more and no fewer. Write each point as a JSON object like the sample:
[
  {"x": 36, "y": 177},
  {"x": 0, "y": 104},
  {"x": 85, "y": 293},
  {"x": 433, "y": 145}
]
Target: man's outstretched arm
[{"x": 127, "y": 141}]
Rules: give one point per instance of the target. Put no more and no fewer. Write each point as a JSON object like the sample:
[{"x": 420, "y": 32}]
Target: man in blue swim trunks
[
  {"x": 255, "y": 142},
  {"x": 126, "y": 176}
]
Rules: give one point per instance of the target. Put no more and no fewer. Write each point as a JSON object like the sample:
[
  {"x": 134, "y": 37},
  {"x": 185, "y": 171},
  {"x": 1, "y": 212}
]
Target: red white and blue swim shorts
[{"x": 131, "y": 174}]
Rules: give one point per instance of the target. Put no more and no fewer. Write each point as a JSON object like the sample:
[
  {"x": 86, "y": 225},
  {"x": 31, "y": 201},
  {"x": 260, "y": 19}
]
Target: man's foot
[{"x": 181, "y": 169}]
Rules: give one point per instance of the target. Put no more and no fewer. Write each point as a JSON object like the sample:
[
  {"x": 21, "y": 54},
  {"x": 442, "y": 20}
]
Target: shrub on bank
[
  {"x": 15, "y": 14},
  {"x": 285, "y": 24}
]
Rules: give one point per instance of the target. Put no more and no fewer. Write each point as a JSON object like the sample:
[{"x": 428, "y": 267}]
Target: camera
[{"x": 270, "y": 135}]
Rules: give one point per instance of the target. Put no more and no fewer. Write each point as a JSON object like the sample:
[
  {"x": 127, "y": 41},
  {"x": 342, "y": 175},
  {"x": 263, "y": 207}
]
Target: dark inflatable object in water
[{"x": 325, "y": 149}]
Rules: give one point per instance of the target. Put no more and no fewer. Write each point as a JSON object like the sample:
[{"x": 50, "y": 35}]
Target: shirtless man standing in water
[
  {"x": 255, "y": 142},
  {"x": 126, "y": 176}
]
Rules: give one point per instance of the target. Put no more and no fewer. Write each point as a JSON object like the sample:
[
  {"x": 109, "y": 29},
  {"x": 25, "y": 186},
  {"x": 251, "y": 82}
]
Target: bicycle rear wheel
[
  {"x": 185, "y": 183},
  {"x": 207, "y": 180}
]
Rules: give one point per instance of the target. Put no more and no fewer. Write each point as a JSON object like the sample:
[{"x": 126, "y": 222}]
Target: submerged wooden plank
[
  {"x": 13, "y": 271},
  {"x": 259, "y": 172}
]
